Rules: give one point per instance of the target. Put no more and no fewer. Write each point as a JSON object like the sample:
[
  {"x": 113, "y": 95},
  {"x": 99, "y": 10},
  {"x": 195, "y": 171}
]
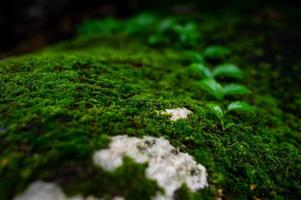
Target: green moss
[{"x": 60, "y": 105}]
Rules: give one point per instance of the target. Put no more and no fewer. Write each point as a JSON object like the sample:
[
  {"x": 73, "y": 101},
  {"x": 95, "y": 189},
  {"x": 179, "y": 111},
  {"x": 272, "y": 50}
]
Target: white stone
[
  {"x": 118, "y": 198},
  {"x": 40, "y": 190},
  {"x": 178, "y": 113},
  {"x": 169, "y": 167}
]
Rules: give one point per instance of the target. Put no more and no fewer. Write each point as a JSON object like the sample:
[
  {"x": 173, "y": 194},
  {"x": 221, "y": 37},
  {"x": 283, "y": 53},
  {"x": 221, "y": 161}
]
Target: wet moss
[{"x": 60, "y": 105}]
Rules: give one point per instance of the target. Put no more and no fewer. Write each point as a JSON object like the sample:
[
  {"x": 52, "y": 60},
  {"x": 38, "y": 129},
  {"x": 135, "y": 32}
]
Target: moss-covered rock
[{"x": 60, "y": 105}]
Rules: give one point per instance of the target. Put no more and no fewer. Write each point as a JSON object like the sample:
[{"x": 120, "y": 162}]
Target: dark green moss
[{"x": 60, "y": 105}]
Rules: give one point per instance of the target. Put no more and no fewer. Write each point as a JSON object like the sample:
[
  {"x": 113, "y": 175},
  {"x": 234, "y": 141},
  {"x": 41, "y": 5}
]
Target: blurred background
[{"x": 27, "y": 25}]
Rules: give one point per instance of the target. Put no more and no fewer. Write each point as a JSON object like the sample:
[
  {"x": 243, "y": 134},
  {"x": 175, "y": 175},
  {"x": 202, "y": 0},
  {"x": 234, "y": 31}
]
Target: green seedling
[
  {"x": 224, "y": 70},
  {"x": 188, "y": 33},
  {"x": 217, "y": 111},
  {"x": 213, "y": 52},
  {"x": 169, "y": 30},
  {"x": 216, "y": 90},
  {"x": 163, "y": 33},
  {"x": 108, "y": 25},
  {"x": 140, "y": 23},
  {"x": 238, "y": 106},
  {"x": 194, "y": 56},
  {"x": 166, "y": 25},
  {"x": 156, "y": 39}
]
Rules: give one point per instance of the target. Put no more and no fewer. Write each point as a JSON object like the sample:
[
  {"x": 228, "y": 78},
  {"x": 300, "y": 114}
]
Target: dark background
[{"x": 27, "y": 25}]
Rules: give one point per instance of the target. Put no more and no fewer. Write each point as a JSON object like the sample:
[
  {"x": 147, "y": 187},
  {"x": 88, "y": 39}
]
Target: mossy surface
[{"x": 60, "y": 105}]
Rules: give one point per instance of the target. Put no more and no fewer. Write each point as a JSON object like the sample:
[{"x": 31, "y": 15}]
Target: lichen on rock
[{"x": 169, "y": 167}]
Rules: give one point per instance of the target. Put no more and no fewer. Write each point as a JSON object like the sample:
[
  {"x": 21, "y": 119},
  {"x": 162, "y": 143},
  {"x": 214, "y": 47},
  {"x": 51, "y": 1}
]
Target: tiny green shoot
[
  {"x": 194, "y": 56},
  {"x": 108, "y": 25},
  {"x": 216, "y": 52},
  {"x": 188, "y": 33},
  {"x": 170, "y": 30},
  {"x": 238, "y": 106},
  {"x": 139, "y": 23},
  {"x": 217, "y": 111},
  {"x": 166, "y": 25}
]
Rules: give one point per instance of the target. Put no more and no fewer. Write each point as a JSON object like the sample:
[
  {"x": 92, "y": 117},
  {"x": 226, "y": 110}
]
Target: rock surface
[
  {"x": 40, "y": 190},
  {"x": 169, "y": 167}
]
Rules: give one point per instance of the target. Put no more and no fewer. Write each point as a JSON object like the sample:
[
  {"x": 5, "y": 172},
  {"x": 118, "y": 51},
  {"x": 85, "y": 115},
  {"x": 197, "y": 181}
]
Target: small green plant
[
  {"x": 140, "y": 23},
  {"x": 238, "y": 106},
  {"x": 194, "y": 56},
  {"x": 166, "y": 25},
  {"x": 156, "y": 39},
  {"x": 164, "y": 32},
  {"x": 218, "y": 112},
  {"x": 188, "y": 33},
  {"x": 223, "y": 70},
  {"x": 169, "y": 30},
  {"x": 214, "y": 52},
  {"x": 216, "y": 90},
  {"x": 159, "y": 31},
  {"x": 108, "y": 25}
]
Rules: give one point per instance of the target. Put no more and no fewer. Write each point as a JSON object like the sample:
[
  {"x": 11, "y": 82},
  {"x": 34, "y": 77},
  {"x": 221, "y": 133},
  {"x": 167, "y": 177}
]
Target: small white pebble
[{"x": 178, "y": 113}]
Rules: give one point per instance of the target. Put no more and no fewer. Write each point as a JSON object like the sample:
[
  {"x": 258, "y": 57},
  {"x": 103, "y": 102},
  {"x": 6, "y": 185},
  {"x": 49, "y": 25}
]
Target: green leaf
[
  {"x": 216, "y": 52},
  {"x": 155, "y": 39},
  {"x": 229, "y": 125},
  {"x": 140, "y": 23},
  {"x": 212, "y": 87},
  {"x": 227, "y": 70},
  {"x": 166, "y": 25},
  {"x": 108, "y": 25},
  {"x": 216, "y": 110},
  {"x": 202, "y": 69},
  {"x": 194, "y": 56},
  {"x": 188, "y": 33},
  {"x": 235, "y": 89},
  {"x": 240, "y": 106}
]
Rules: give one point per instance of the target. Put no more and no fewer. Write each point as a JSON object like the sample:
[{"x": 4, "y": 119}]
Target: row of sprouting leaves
[
  {"x": 159, "y": 31},
  {"x": 215, "y": 89},
  {"x": 172, "y": 31}
]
